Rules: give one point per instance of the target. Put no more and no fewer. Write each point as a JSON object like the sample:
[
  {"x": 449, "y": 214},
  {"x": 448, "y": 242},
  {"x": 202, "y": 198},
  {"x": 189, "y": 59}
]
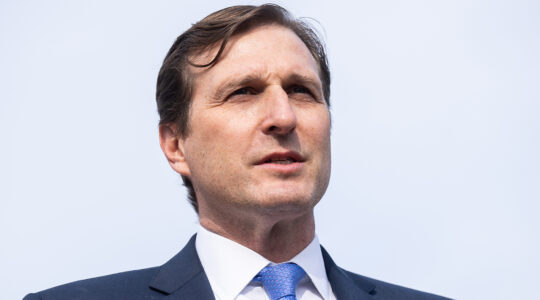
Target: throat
[{"x": 276, "y": 241}]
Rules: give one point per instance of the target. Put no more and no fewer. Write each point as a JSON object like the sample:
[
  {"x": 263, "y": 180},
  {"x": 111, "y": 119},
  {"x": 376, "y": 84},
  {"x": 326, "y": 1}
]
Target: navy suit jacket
[{"x": 183, "y": 277}]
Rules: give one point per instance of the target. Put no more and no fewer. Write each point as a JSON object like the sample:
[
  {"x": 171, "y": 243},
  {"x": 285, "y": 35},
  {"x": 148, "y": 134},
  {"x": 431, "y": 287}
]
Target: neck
[{"x": 277, "y": 238}]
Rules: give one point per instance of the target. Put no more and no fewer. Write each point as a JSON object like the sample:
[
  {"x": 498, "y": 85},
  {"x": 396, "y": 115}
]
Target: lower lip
[{"x": 283, "y": 168}]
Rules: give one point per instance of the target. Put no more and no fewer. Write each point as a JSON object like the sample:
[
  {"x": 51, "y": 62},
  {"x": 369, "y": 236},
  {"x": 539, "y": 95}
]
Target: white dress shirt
[{"x": 230, "y": 268}]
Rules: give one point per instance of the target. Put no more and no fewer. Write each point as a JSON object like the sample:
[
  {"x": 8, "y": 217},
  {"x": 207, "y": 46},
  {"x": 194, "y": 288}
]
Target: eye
[
  {"x": 299, "y": 90},
  {"x": 242, "y": 91},
  {"x": 302, "y": 93},
  {"x": 241, "y": 94}
]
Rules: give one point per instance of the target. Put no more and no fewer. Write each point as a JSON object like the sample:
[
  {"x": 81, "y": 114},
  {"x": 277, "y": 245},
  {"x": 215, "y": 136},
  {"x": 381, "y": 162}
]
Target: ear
[{"x": 172, "y": 146}]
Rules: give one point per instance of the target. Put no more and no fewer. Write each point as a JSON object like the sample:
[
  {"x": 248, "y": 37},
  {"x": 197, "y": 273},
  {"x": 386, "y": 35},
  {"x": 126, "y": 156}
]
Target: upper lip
[{"x": 282, "y": 155}]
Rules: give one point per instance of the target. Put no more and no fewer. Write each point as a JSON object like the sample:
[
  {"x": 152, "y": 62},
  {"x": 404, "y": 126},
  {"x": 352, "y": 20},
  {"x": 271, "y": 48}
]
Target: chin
[{"x": 286, "y": 201}]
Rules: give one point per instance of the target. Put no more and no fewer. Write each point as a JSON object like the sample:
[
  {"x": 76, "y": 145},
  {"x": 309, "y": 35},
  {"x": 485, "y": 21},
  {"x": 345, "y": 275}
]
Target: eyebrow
[
  {"x": 237, "y": 82},
  {"x": 314, "y": 83}
]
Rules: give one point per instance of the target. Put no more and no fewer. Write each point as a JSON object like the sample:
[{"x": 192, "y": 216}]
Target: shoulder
[
  {"x": 182, "y": 275},
  {"x": 347, "y": 285},
  {"x": 385, "y": 290},
  {"x": 126, "y": 285}
]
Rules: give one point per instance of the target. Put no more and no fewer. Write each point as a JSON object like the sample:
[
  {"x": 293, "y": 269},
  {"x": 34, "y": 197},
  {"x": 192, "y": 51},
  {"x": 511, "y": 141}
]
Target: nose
[{"x": 280, "y": 117}]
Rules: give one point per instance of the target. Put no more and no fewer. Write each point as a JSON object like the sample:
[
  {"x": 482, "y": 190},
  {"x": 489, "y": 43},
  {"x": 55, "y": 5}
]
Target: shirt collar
[
  {"x": 230, "y": 267},
  {"x": 311, "y": 260}
]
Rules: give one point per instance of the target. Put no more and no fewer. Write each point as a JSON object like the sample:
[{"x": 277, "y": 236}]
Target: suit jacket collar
[
  {"x": 343, "y": 286},
  {"x": 183, "y": 277}
]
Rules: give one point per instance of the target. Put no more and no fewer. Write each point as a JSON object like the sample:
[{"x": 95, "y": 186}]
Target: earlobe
[{"x": 172, "y": 146}]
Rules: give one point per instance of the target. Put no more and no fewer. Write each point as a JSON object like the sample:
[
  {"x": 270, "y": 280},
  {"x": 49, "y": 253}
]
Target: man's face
[{"x": 259, "y": 133}]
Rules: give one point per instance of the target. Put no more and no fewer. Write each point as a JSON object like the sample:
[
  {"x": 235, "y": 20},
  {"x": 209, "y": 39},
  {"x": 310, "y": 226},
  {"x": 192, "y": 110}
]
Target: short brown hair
[{"x": 175, "y": 83}]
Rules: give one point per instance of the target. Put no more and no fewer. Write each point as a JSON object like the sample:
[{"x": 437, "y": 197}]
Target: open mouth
[
  {"x": 281, "y": 161},
  {"x": 283, "y": 158}
]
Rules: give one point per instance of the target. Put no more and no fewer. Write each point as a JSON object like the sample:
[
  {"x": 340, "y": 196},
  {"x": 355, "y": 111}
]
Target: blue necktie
[{"x": 280, "y": 281}]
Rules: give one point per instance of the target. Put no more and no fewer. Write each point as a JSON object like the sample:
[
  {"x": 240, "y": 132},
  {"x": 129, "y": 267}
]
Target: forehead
[{"x": 265, "y": 51}]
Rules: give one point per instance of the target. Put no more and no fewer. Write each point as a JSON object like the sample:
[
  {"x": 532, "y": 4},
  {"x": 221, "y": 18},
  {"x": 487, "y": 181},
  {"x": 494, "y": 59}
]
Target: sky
[{"x": 435, "y": 139}]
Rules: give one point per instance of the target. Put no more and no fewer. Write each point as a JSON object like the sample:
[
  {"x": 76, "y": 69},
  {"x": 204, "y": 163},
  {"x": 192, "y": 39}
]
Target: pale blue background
[{"x": 436, "y": 131}]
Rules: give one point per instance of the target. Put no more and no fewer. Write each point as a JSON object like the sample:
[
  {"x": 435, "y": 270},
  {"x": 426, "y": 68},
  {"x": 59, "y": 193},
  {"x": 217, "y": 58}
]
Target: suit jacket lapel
[
  {"x": 343, "y": 286},
  {"x": 183, "y": 277}
]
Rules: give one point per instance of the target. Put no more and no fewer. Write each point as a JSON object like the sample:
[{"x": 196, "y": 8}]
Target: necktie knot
[{"x": 280, "y": 281}]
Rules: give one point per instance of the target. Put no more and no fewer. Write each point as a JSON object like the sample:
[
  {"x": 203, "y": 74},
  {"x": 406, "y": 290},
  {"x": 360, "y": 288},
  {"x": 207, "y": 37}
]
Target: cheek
[
  {"x": 317, "y": 127},
  {"x": 218, "y": 138}
]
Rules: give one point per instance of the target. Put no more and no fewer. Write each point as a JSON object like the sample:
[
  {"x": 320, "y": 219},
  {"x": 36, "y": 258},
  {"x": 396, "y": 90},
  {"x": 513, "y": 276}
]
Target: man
[{"x": 243, "y": 98}]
